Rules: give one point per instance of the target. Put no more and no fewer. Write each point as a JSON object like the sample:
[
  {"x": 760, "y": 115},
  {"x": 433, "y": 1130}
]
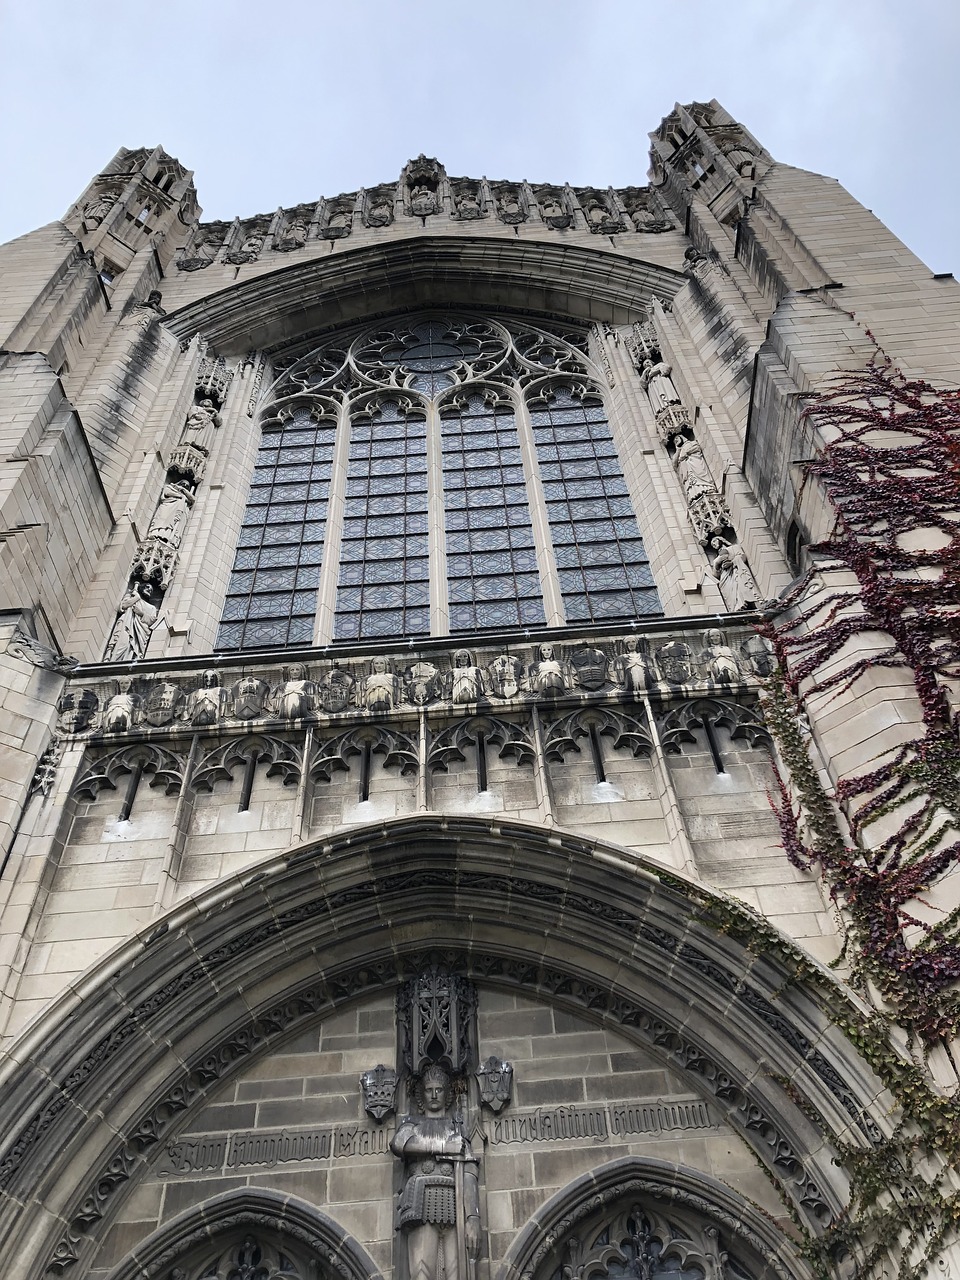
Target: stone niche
[{"x": 293, "y": 1121}]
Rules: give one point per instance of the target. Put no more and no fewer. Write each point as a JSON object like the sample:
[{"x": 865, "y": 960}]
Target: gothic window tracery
[{"x": 464, "y": 439}]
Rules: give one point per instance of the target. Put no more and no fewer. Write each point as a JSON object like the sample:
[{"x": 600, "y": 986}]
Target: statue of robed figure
[{"x": 438, "y": 1211}]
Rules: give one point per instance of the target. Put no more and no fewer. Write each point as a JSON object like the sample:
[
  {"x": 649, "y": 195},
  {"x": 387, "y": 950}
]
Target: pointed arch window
[{"x": 479, "y": 488}]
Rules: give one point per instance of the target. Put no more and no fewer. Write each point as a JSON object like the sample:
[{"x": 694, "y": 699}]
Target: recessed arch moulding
[
  {"x": 541, "y": 920},
  {"x": 277, "y": 307}
]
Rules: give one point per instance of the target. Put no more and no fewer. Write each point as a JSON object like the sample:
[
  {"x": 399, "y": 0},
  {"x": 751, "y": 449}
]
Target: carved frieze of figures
[
  {"x": 213, "y": 380},
  {"x": 378, "y": 207},
  {"x": 338, "y": 220},
  {"x": 293, "y": 236},
  {"x": 421, "y": 683},
  {"x": 120, "y": 712},
  {"x": 206, "y": 704},
  {"x": 467, "y": 205},
  {"x": 510, "y": 205},
  {"x": 380, "y": 690},
  {"x": 731, "y": 569},
  {"x": 553, "y": 207},
  {"x": 137, "y": 618},
  {"x": 295, "y": 698},
  {"x": 464, "y": 680}
]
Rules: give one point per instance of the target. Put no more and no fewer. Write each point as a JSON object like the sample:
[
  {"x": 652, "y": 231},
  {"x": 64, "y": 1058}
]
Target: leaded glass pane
[
  {"x": 272, "y": 594},
  {"x": 484, "y": 490},
  {"x": 601, "y": 563},
  {"x": 384, "y": 566}
]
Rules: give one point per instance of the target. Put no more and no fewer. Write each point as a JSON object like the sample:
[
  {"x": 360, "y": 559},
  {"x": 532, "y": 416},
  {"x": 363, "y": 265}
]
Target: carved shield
[
  {"x": 163, "y": 704},
  {"x": 676, "y": 662},
  {"x": 334, "y": 693},
  {"x": 495, "y": 1078},
  {"x": 248, "y": 698},
  {"x": 505, "y": 675},
  {"x": 421, "y": 683},
  {"x": 591, "y": 668},
  {"x": 379, "y": 1088}
]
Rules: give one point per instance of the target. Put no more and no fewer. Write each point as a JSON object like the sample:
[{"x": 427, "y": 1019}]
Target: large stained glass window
[
  {"x": 272, "y": 596},
  {"x": 384, "y": 588},
  {"x": 492, "y": 577},
  {"x": 601, "y": 563},
  {"x": 478, "y": 455}
]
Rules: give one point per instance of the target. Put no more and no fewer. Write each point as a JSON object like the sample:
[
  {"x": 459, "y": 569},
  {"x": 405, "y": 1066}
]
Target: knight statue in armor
[{"x": 438, "y": 1213}]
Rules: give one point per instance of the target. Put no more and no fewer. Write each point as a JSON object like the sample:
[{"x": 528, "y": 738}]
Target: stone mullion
[
  {"x": 324, "y": 619},
  {"x": 676, "y": 827},
  {"x": 436, "y": 528},
  {"x": 539, "y": 518}
]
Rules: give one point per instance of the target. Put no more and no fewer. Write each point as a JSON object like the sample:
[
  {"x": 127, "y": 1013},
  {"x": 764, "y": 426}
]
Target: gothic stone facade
[{"x": 390, "y": 879}]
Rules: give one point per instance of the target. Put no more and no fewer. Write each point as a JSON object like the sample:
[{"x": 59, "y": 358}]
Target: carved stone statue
[
  {"x": 170, "y": 516},
  {"x": 136, "y": 619},
  {"x": 438, "y": 1212},
  {"x": 635, "y": 667},
  {"x": 249, "y": 250},
  {"x": 197, "y": 429},
  {"x": 95, "y": 210},
  {"x": 692, "y": 468},
  {"x": 547, "y": 676},
  {"x": 294, "y": 698},
  {"x": 119, "y": 711},
  {"x": 731, "y": 570},
  {"x": 465, "y": 679},
  {"x": 656, "y": 380},
  {"x": 720, "y": 663},
  {"x": 204, "y": 705},
  {"x": 380, "y": 687}
]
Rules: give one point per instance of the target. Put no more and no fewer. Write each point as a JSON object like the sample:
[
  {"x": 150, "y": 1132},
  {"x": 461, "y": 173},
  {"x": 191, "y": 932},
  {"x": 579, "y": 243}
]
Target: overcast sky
[{"x": 278, "y": 103}]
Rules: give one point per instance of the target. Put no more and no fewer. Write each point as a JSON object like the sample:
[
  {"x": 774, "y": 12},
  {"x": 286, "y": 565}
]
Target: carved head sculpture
[
  {"x": 713, "y": 637},
  {"x": 546, "y": 653},
  {"x": 434, "y": 1091},
  {"x": 379, "y": 666},
  {"x": 297, "y": 673},
  {"x": 463, "y": 658},
  {"x": 124, "y": 684},
  {"x": 211, "y": 679}
]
